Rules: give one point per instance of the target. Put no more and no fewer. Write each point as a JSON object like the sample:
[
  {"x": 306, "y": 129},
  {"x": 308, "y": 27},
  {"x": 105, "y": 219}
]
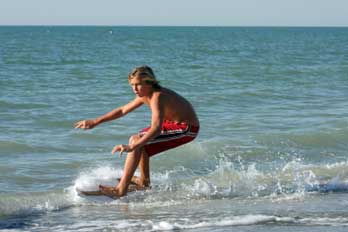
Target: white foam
[
  {"x": 246, "y": 220},
  {"x": 325, "y": 221},
  {"x": 204, "y": 187},
  {"x": 221, "y": 222},
  {"x": 163, "y": 225},
  {"x": 189, "y": 223},
  {"x": 89, "y": 180},
  {"x": 174, "y": 186}
]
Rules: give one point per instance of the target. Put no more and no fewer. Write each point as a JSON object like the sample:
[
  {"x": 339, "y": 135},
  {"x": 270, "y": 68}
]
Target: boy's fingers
[
  {"x": 85, "y": 124},
  {"x": 79, "y": 124},
  {"x": 121, "y": 150},
  {"x": 114, "y": 150}
]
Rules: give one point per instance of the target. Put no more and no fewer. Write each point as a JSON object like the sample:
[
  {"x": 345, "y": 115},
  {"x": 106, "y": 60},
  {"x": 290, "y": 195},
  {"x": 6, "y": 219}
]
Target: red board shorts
[{"x": 172, "y": 135}]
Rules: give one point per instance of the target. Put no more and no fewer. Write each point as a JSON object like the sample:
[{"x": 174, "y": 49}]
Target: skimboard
[
  {"x": 89, "y": 193},
  {"x": 94, "y": 195},
  {"x": 98, "y": 196}
]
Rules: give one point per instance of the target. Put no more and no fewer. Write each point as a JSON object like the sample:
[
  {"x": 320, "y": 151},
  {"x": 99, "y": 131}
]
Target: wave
[
  {"x": 333, "y": 138},
  {"x": 37, "y": 62},
  {"x": 5, "y": 105},
  {"x": 212, "y": 222},
  {"x": 250, "y": 219},
  {"x": 180, "y": 186},
  {"x": 25, "y": 204},
  {"x": 179, "y": 181},
  {"x": 227, "y": 180},
  {"x": 322, "y": 139},
  {"x": 168, "y": 191},
  {"x": 12, "y": 147},
  {"x": 16, "y": 147}
]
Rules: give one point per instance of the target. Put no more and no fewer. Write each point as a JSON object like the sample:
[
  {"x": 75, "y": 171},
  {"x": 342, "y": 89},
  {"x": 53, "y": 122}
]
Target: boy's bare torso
[{"x": 176, "y": 108}]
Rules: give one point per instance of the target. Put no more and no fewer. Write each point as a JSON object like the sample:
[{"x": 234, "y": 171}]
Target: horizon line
[{"x": 135, "y": 25}]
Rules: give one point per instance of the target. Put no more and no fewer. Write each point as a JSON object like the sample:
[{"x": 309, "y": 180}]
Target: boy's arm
[
  {"x": 112, "y": 115},
  {"x": 157, "y": 110}
]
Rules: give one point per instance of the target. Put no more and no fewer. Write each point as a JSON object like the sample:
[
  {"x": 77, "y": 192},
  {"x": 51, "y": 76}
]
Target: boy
[{"x": 173, "y": 123}]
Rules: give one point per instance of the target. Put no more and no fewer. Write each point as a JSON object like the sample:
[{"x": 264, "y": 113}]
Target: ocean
[{"x": 271, "y": 156}]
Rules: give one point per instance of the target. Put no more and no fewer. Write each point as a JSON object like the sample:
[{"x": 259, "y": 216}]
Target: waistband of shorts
[{"x": 191, "y": 128}]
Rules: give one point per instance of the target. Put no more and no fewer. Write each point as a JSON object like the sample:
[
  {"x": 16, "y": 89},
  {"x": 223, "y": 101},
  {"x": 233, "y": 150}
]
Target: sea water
[{"x": 272, "y": 153}]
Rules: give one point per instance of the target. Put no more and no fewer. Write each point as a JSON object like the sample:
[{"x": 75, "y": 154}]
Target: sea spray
[
  {"x": 227, "y": 180},
  {"x": 179, "y": 185}
]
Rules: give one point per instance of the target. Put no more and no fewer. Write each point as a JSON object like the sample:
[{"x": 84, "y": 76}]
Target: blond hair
[{"x": 146, "y": 74}]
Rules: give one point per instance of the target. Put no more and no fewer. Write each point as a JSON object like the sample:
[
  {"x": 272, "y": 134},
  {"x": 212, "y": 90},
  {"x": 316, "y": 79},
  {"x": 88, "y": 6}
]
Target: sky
[{"x": 175, "y": 12}]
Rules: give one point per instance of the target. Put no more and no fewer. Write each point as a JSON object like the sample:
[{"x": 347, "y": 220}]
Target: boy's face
[{"x": 140, "y": 88}]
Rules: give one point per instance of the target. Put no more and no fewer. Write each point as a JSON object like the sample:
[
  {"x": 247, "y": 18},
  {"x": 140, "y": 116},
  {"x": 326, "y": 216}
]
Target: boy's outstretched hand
[
  {"x": 85, "y": 124},
  {"x": 122, "y": 148}
]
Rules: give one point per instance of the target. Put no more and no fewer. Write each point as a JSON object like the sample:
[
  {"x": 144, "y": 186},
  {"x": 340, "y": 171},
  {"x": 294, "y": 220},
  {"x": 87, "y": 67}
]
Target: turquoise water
[{"x": 272, "y": 150}]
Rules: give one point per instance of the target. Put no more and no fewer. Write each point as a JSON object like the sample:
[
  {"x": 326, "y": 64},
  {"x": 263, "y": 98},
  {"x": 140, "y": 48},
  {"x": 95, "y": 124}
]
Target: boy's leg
[
  {"x": 131, "y": 163},
  {"x": 144, "y": 167},
  {"x": 143, "y": 181}
]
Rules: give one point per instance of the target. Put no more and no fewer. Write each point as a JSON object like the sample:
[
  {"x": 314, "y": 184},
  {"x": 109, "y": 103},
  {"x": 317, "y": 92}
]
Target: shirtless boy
[{"x": 173, "y": 123}]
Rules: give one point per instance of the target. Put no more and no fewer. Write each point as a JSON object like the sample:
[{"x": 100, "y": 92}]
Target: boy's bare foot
[
  {"x": 143, "y": 184},
  {"x": 131, "y": 183},
  {"x": 132, "y": 188},
  {"x": 140, "y": 182},
  {"x": 110, "y": 191}
]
